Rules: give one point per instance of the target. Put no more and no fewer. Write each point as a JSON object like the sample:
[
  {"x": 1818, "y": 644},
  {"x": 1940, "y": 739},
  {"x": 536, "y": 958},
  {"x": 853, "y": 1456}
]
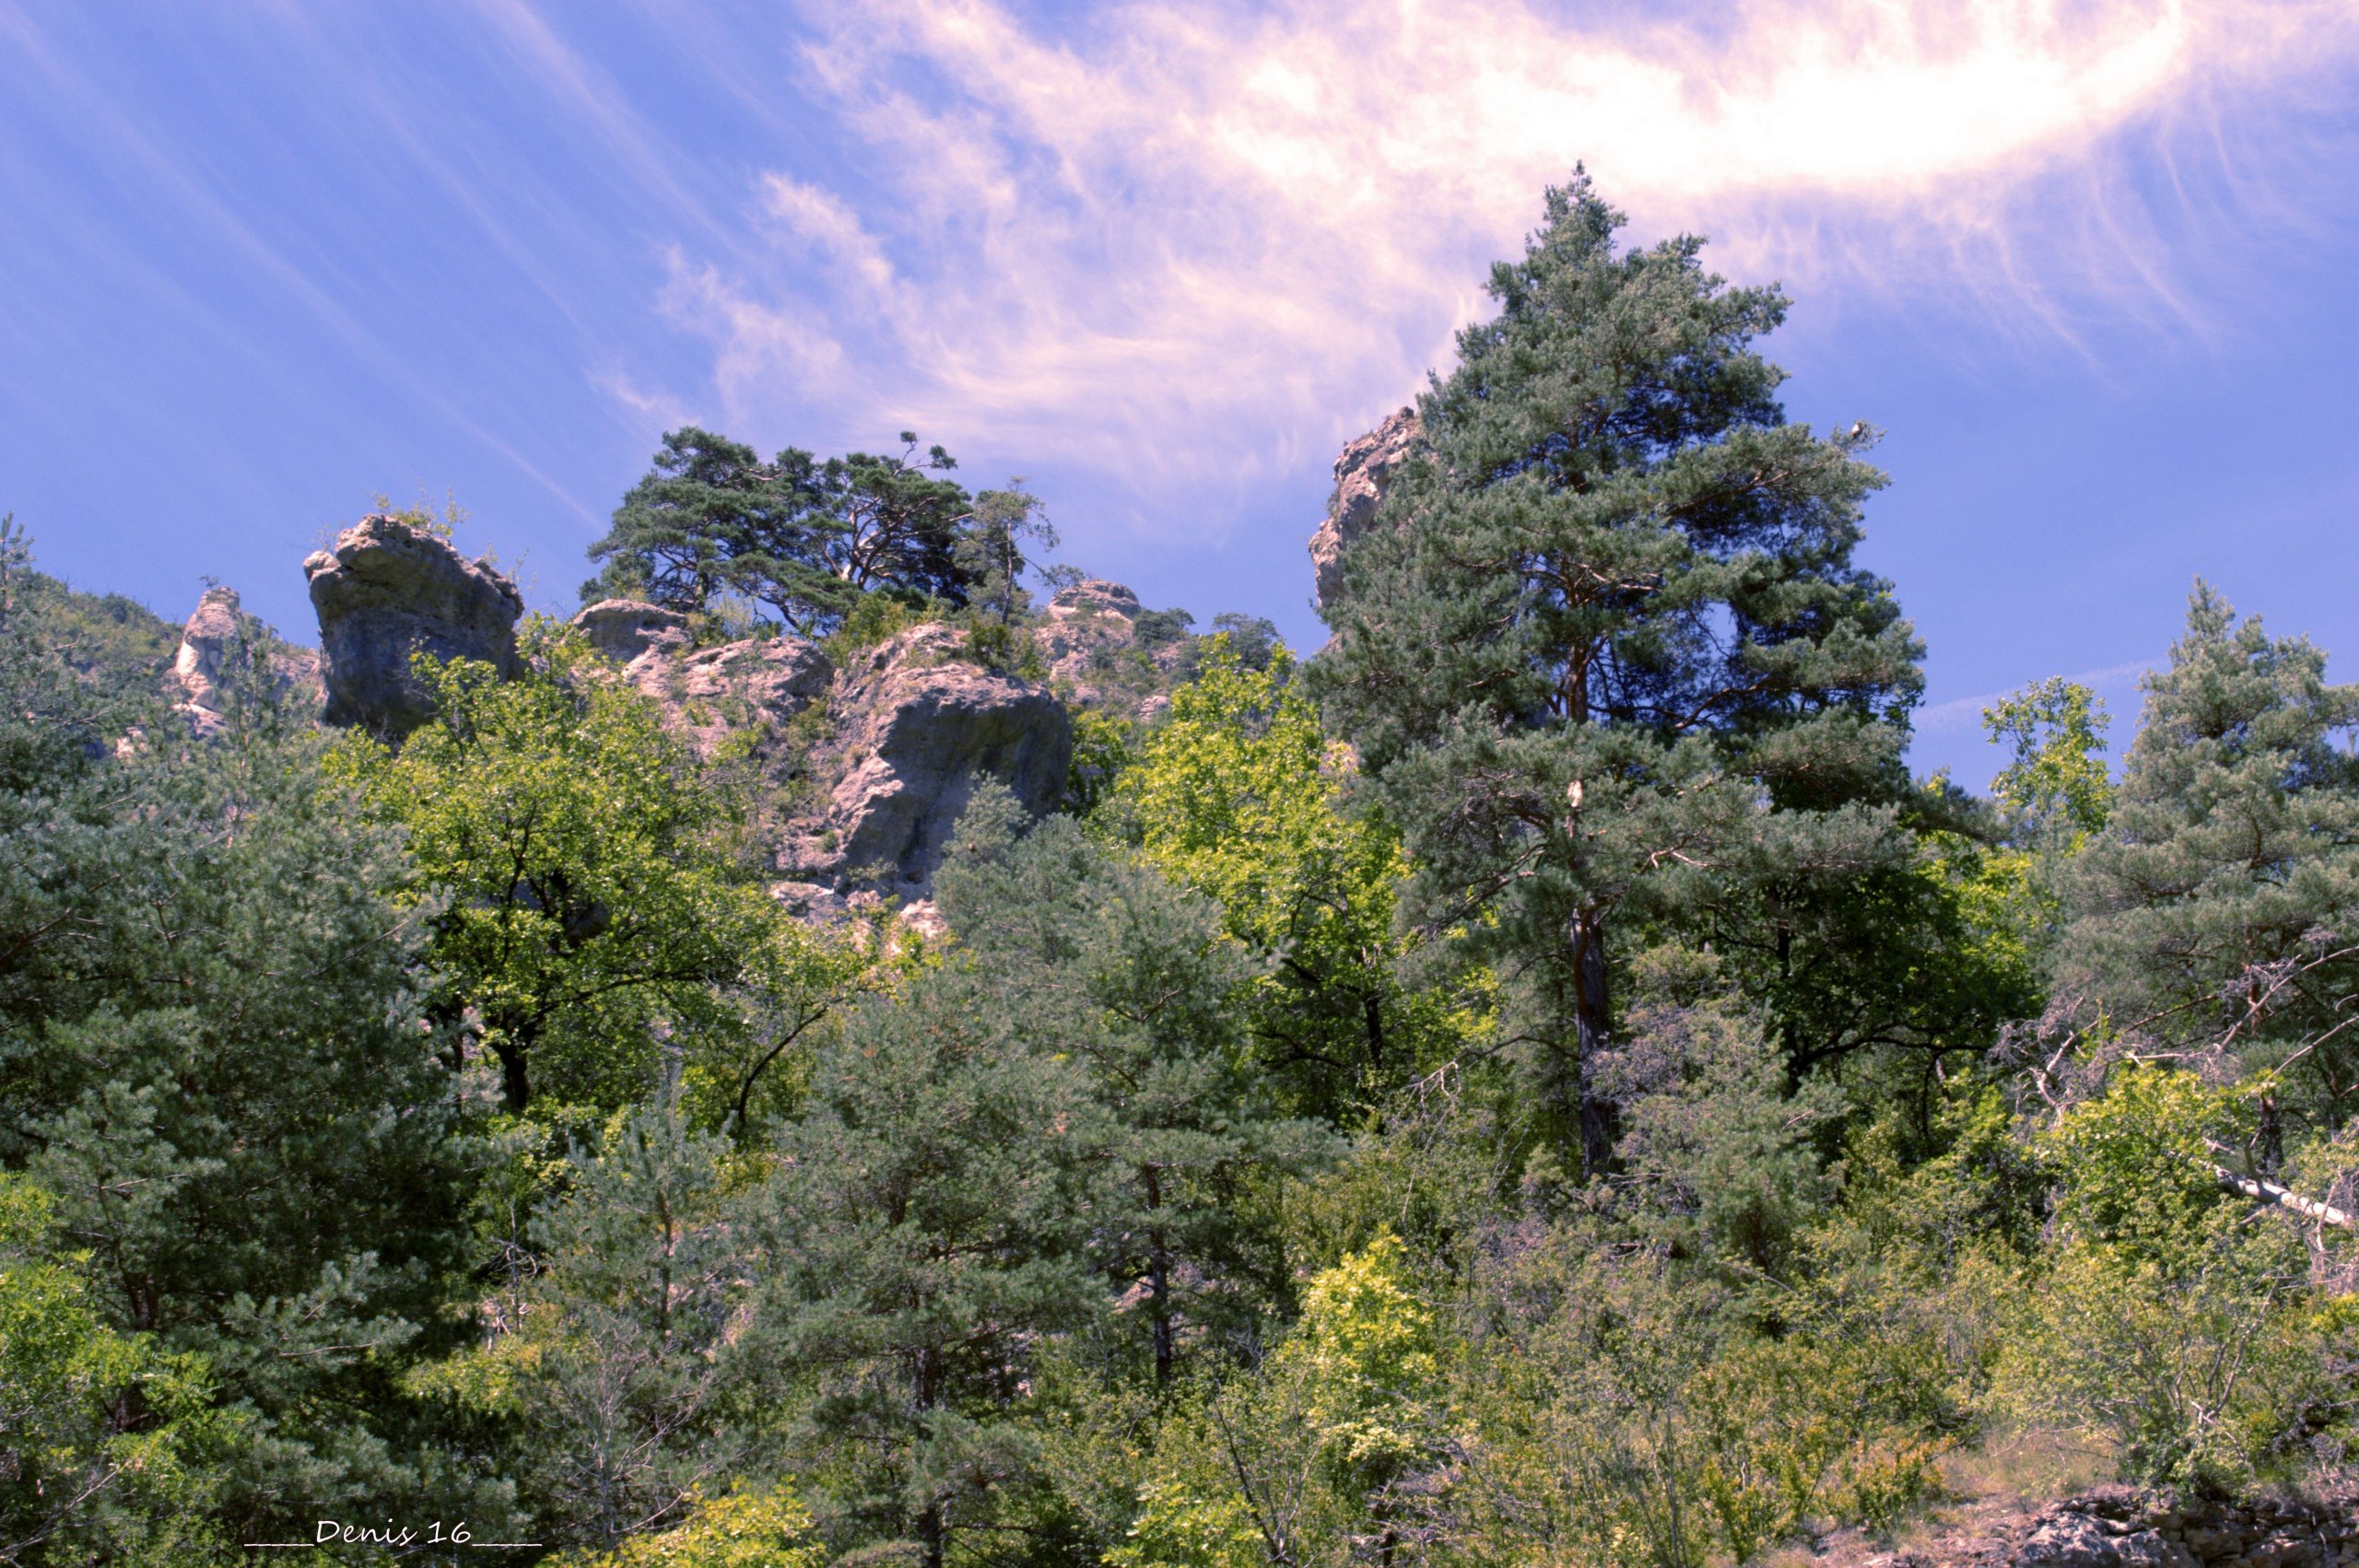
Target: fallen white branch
[{"x": 2284, "y": 1197}]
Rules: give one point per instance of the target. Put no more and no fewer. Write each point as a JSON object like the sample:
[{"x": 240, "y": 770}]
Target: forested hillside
[{"x": 1534, "y": 1081}]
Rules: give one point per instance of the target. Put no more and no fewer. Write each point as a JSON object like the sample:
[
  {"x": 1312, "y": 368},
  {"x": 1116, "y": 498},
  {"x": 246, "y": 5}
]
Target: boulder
[
  {"x": 216, "y": 638},
  {"x": 1093, "y": 596},
  {"x": 622, "y": 629},
  {"x": 389, "y": 591},
  {"x": 1363, "y": 471},
  {"x": 915, "y": 731}
]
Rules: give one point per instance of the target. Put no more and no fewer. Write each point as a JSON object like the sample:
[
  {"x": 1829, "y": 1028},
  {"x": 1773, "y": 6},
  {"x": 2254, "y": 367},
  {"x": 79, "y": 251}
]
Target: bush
[{"x": 2165, "y": 1321}]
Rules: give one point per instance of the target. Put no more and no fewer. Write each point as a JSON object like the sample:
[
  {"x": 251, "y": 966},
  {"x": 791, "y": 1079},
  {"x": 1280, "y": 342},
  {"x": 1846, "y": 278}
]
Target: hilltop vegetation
[{"x": 1538, "y": 1083}]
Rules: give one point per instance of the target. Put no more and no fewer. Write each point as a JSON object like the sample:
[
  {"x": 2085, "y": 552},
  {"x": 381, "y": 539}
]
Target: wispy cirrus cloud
[{"x": 1201, "y": 245}]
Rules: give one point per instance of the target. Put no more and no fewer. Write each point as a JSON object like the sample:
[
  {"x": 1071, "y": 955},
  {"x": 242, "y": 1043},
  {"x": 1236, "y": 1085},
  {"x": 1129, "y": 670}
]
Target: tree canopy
[{"x": 801, "y": 536}]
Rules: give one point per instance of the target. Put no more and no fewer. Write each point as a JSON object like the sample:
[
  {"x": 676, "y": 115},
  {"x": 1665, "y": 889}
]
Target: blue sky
[{"x": 2089, "y": 266}]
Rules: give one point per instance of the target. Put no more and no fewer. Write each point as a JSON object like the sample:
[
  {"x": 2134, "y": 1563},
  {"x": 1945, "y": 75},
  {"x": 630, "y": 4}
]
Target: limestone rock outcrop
[
  {"x": 861, "y": 791},
  {"x": 388, "y": 591},
  {"x": 915, "y": 731},
  {"x": 216, "y": 638},
  {"x": 711, "y": 693},
  {"x": 1363, "y": 471},
  {"x": 1091, "y": 597},
  {"x": 207, "y": 643},
  {"x": 1084, "y": 620}
]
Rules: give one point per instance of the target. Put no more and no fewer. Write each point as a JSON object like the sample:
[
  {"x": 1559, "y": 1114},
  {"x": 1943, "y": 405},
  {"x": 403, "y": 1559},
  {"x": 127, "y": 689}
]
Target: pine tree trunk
[
  {"x": 932, "y": 1530},
  {"x": 1159, "y": 1287},
  {"x": 1589, "y": 1022},
  {"x": 1159, "y": 1283}
]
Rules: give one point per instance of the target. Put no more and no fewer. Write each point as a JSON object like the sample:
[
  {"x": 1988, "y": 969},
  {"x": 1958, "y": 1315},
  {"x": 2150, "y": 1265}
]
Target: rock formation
[
  {"x": 915, "y": 731},
  {"x": 1083, "y": 620},
  {"x": 622, "y": 629},
  {"x": 863, "y": 791},
  {"x": 1363, "y": 472},
  {"x": 710, "y": 693},
  {"x": 216, "y": 638},
  {"x": 1092, "y": 597},
  {"x": 389, "y": 591},
  {"x": 869, "y": 795},
  {"x": 207, "y": 644}
]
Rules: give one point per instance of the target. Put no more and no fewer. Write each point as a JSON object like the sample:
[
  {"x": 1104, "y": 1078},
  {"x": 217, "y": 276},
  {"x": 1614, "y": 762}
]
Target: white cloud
[{"x": 1191, "y": 243}]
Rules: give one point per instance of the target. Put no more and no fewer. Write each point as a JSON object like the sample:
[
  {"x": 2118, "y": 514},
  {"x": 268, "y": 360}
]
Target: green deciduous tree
[
  {"x": 582, "y": 896},
  {"x": 1239, "y": 794},
  {"x": 2057, "y": 778},
  {"x": 1606, "y": 643},
  {"x": 739, "y": 1529},
  {"x": 2167, "y": 1319},
  {"x": 103, "y": 1437},
  {"x": 1295, "y": 1461}
]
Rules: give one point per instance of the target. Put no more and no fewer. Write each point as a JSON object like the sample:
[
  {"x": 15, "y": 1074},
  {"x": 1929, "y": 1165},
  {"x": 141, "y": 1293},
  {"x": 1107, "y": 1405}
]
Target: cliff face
[
  {"x": 914, "y": 730},
  {"x": 869, "y": 766}
]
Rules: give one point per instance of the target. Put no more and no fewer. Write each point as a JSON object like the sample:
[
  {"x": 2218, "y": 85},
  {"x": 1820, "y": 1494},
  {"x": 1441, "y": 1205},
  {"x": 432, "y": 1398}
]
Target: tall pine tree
[{"x": 1606, "y": 645}]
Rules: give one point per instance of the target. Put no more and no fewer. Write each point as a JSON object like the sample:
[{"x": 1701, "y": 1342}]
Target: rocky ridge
[
  {"x": 867, "y": 768},
  {"x": 1105, "y": 650}
]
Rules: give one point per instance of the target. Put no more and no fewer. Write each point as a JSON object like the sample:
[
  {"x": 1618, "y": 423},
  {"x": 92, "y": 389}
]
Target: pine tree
[
  {"x": 2220, "y": 902},
  {"x": 215, "y": 1061},
  {"x": 1104, "y": 962},
  {"x": 806, "y": 538},
  {"x": 1607, "y": 639},
  {"x": 925, "y": 1230},
  {"x": 619, "y": 1358}
]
